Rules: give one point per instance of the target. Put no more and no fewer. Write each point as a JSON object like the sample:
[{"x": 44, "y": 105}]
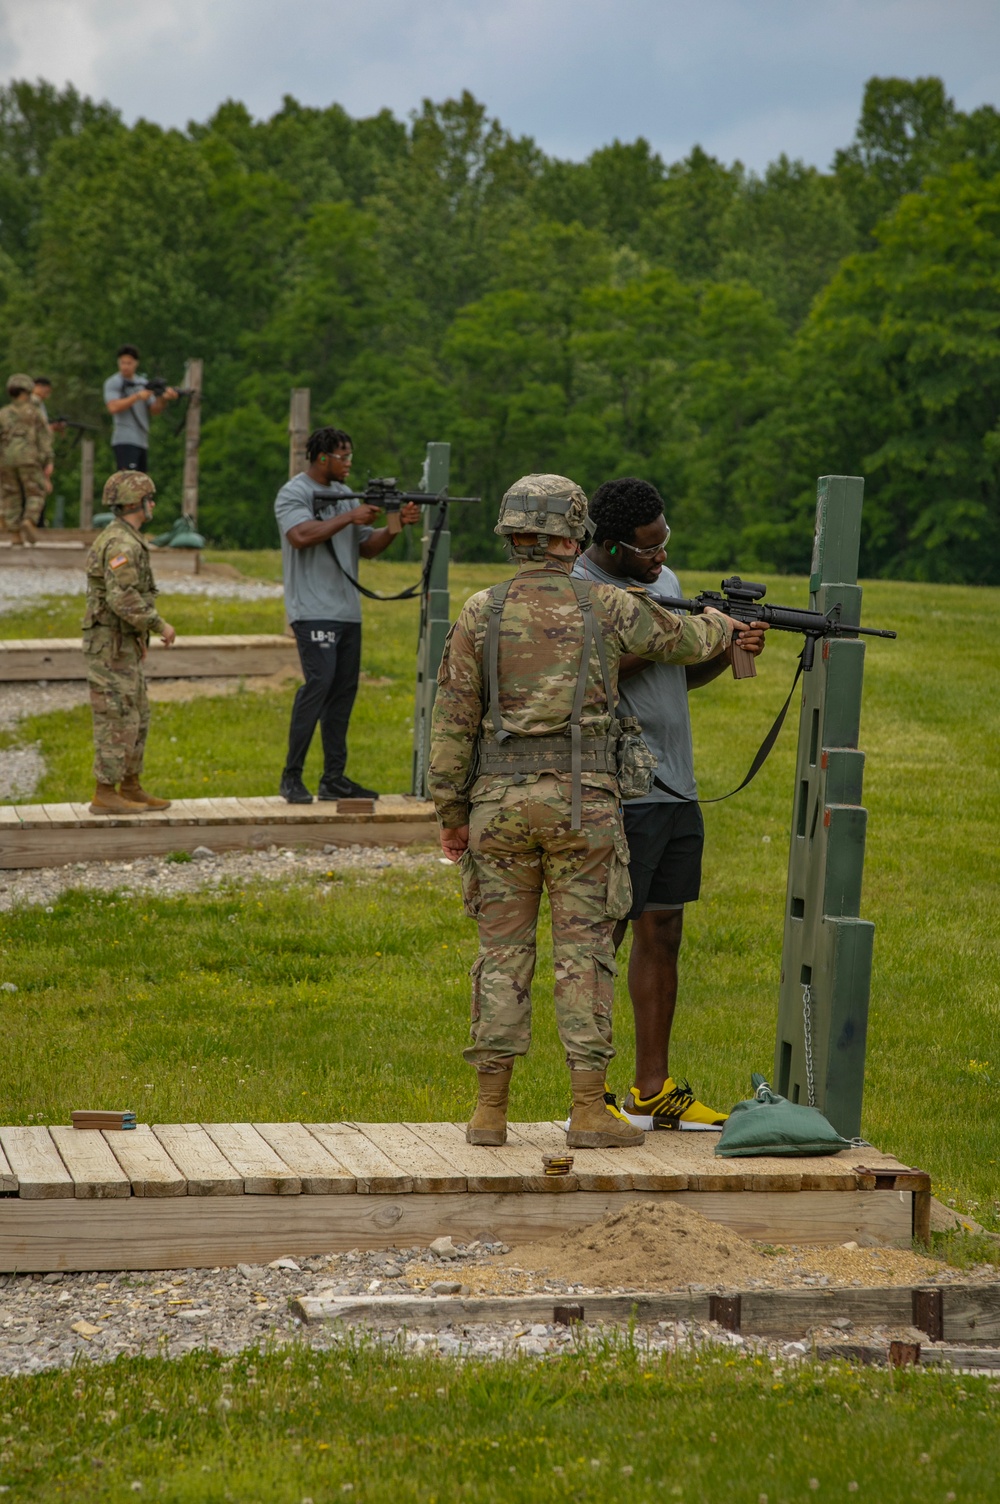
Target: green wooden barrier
[{"x": 827, "y": 952}]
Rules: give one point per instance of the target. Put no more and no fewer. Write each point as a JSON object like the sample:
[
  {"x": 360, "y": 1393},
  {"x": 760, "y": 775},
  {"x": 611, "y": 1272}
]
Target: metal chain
[{"x": 808, "y": 1038}]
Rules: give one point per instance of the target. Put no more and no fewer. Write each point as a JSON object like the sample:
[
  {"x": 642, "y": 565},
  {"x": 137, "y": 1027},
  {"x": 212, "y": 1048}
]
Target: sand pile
[{"x": 649, "y": 1245}]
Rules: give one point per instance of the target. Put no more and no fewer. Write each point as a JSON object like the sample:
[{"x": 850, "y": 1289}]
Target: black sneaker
[
  {"x": 293, "y": 790},
  {"x": 344, "y": 788}
]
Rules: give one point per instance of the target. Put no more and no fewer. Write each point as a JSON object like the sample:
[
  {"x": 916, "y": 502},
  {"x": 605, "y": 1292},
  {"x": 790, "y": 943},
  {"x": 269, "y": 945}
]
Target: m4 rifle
[{"x": 741, "y": 599}]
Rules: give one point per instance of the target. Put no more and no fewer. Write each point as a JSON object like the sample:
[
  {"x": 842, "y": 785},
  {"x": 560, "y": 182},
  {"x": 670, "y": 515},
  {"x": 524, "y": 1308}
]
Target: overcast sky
[{"x": 744, "y": 78}]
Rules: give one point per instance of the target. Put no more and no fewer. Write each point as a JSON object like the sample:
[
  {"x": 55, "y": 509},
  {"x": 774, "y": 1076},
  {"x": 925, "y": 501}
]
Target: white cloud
[{"x": 745, "y": 78}]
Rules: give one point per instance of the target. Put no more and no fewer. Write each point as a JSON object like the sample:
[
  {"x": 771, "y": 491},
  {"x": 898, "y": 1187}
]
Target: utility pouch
[{"x": 636, "y": 764}]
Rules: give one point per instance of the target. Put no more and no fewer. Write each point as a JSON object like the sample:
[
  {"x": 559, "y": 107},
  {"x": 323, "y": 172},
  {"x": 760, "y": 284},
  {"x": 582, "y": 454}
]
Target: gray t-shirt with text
[
  {"x": 316, "y": 587},
  {"x": 658, "y": 697},
  {"x": 131, "y": 426}
]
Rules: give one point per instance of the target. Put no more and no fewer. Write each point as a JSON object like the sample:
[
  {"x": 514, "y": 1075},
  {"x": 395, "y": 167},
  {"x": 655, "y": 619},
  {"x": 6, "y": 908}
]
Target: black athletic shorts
[
  {"x": 131, "y": 457},
  {"x": 665, "y": 843}
]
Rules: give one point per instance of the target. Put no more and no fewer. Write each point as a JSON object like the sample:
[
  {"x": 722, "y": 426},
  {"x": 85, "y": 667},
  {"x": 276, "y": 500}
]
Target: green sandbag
[{"x": 771, "y": 1125}]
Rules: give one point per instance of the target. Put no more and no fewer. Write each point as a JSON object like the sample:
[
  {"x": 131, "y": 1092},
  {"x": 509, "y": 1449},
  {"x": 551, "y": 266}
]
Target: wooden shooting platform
[
  {"x": 72, "y": 554},
  {"x": 232, "y": 656},
  {"x": 51, "y": 835},
  {"x": 194, "y": 1195}
]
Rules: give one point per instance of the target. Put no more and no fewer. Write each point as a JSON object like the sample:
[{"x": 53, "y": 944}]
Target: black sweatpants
[{"x": 330, "y": 654}]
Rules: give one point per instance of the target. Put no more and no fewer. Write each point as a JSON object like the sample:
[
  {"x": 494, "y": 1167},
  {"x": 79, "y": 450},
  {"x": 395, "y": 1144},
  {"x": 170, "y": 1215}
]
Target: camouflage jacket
[
  {"x": 120, "y": 588},
  {"x": 24, "y": 435},
  {"x": 541, "y": 639}
]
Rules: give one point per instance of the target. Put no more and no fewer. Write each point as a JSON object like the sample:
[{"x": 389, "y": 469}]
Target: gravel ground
[
  {"x": 52, "y": 1320},
  {"x": 151, "y": 874},
  {"x": 22, "y": 586}
]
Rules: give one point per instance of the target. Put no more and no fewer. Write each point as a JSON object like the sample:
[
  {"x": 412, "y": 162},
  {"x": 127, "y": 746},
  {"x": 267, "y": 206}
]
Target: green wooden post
[
  {"x": 434, "y": 611},
  {"x": 827, "y": 952}
]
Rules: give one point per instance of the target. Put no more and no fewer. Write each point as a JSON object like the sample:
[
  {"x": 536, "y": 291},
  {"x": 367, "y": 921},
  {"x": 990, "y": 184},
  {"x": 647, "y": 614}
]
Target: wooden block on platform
[
  {"x": 594, "y": 1169},
  {"x": 425, "y": 1168},
  {"x": 8, "y": 1180},
  {"x": 35, "y": 1161},
  {"x": 374, "y": 1172},
  {"x": 151, "y": 1171},
  {"x": 96, "y": 1173},
  {"x": 318, "y": 1171},
  {"x": 205, "y": 1168},
  {"x": 264, "y": 1172}
]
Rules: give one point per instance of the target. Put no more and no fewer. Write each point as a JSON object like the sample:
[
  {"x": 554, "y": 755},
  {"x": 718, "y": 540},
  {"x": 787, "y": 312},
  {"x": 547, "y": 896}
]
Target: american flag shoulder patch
[{"x": 118, "y": 561}]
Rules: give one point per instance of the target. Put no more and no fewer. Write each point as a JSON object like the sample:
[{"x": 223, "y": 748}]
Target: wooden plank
[
  {"x": 151, "y": 1171},
  {"x": 202, "y": 1232},
  {"x": 32, "y": 839},
  {"x": 9, "y": 815},
  {"x": 206, "y": 1170},
  {"x": 516, "y": 1161},
  {"x": 972, "y": 1313},
  {"x": 96, "y": 1173},
  {"x": 427, "y": 1313},
  {"x": 34, "y": 1159},
  {"x": 595, "y": 1169},
  {"x": 319, "y": 1172},
  {"x": 425, "y": 1167},
  {"x": 264, "y": 1172},
  {"x": 62, "y": 814},
  {"x": 374, "y": 1173},
  {"x": 484, "y": 1169},
  {"x": 33, "y": 817},
  {"x": 8, "y": 1180}
]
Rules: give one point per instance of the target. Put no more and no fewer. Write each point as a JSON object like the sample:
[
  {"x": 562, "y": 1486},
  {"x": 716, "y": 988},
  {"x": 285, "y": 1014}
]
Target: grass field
[
  {"x": 350, "y": 996},
  {"x": 603, "y": 1423}
]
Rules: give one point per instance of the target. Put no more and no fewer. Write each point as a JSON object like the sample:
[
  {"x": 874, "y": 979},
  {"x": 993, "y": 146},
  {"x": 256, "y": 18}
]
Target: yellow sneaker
[{"x": 673, "y": 1106}]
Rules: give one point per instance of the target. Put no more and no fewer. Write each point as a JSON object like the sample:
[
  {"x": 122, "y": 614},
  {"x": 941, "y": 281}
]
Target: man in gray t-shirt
[
  {"x": 321, "y": 543},
  {"x": 664, "y": 829},
  {"x": 130, "y": 403}
]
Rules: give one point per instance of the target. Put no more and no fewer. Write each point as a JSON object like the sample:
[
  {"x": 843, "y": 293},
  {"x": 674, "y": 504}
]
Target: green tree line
[{"x": 727, "y": 335}]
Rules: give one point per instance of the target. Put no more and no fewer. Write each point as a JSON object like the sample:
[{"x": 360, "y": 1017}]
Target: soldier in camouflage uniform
[
  {"x": 25, "y": 456},
  {"x": 523, "y": 774},
  {"x": 121, "y": 614}
]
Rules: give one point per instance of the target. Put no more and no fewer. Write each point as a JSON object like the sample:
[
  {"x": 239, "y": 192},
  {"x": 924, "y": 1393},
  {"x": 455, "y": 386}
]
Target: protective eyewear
[{"x": 646, "y": 553}]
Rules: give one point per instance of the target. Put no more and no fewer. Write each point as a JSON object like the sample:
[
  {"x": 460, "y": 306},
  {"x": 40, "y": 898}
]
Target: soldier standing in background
[
  {"x": 25, "y": 460},
  {"x": 121, "y": 614},
  {"x": 540, "y": 654}
]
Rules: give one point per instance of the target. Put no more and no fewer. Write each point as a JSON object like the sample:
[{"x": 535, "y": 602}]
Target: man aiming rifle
[
  {"x": 132, "y": 399},
  {"x": 320, "y": 548}
]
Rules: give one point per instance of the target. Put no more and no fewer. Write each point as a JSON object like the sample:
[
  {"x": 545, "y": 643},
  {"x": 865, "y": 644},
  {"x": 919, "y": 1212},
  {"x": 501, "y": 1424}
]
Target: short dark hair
[
  {"x": 127, "y": 350},
  {"x": 324, "y": 440},
  {"x": 43, "y": 380},
  {"x": 620, "y": 506}
]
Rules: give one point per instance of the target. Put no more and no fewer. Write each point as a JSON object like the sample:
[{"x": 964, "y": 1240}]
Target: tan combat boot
[
  {"x": 489, "y": 1121},
  {"x": 29, "y": 532},
  {"x": 595, "y": 1123},
  {"x": 108, "y": 801},
  {"x": 132, "y": 789}
]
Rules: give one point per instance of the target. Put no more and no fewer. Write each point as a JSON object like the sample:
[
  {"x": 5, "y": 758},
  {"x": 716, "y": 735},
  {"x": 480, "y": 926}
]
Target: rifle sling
[{"x": 760, "y": 758}]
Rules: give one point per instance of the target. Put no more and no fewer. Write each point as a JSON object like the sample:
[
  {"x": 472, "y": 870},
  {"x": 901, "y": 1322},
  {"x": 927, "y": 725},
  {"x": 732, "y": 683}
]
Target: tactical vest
[{"x": 620, "y": 751}]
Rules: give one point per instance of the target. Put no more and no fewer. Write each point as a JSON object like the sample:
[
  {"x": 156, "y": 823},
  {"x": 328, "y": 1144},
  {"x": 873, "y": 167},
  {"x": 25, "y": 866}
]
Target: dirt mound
[{"x": 649, "y": 1245}]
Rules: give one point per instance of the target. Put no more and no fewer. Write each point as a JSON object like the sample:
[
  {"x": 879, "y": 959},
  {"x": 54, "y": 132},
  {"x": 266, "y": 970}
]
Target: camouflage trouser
[
  {"x": 22, "y": 491},
  {"x": 118, "y": 703},
  {"x": 516, "y": 844}
]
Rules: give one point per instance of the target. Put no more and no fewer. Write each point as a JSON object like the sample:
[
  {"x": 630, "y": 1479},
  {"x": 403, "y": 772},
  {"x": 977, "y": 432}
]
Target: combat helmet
[
  {"x": 550, "y": 504},
  {"x": 126, "y": 490},
  {"x": 19, "y": 382}
]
